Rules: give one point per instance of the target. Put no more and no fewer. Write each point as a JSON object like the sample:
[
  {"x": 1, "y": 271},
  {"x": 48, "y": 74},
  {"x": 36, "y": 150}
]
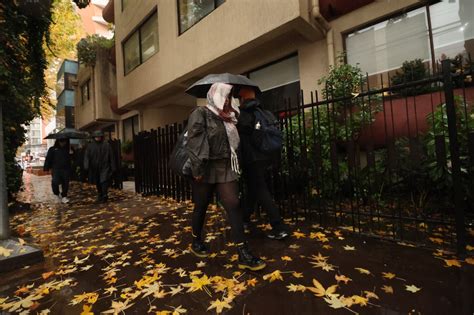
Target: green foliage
[
  {"x": 412, "y": 71},
  {"x": 127, "y": 147},
  {"x": 22, "y": 82},
  {"x": 87, "y": 48},
  {"x": 328, "y": 129}
]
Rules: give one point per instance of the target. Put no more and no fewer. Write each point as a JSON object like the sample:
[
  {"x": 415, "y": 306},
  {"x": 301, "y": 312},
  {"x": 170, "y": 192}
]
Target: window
[
  {"x": 141, "y": 44},
  {"x": 192, "y": 11},
  {"x": 130, "y": 128},
  {"x": 279, "y": 82},
  {"x": 85, "y": 92},
  {"x": 386, "y": 45}
]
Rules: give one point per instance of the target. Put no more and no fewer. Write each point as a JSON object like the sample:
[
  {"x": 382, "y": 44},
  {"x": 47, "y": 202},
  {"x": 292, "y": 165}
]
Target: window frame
[
  {"x": 181, "y": 32},
  {"x": 135, "y": 30},
  {"x": 392, "y": 15},
  {"x": 131, "y": 121},
  {"x": 86, "y": 84}
]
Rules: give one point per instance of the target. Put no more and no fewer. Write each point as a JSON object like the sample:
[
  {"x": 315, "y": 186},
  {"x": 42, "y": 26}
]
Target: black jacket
[
  {"x": 207, "y": 139},
  {"x": 99, "y": 159},
  {"x": 246, "y": 125},
  {"x": 57, "y": 158}
]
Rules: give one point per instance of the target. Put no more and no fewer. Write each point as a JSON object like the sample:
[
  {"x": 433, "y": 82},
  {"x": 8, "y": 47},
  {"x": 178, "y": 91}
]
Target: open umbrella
[
  {"x": 68, "y": 133},
  {"x": 200, "y": 88}
]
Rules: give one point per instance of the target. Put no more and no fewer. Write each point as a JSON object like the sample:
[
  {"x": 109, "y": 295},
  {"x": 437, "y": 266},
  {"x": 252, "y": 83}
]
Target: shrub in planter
[{"x": 411, "y": 71}]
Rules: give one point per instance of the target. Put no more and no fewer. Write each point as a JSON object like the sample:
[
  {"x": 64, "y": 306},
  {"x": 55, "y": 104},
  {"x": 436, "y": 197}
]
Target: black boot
[
  {"x": 199, "y": 249},
  {"x": 278, "y": 232},
  {"x": 249, "y": 261}
]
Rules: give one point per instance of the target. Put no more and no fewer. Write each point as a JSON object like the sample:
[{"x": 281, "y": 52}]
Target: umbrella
[
  {"x": 200, "y": 88},
  {"x": 68, "y": 133}
]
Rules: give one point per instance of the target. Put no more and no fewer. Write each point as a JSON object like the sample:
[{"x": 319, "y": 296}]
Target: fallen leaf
[
  {"x": 286, "y": 258},
  {"x": 5, "y": 251},
  {"x": 46, "y": 275},
  {"x": 412, "y": 288},
  {"x": 298, "y": 234},
  {"x": 371, "y": 295},
  {"x": 347, "y": 247},
  {"x": 320, "y": 291},
  {"x": 388, "y": 275},
  {"x": 276, "y": 275},
  {"x": 470, "y": 261},
  {"x": 252, "y": 282},
  {"x": 342, "y": 278},
  {"x": 219, "y": 305},
  {"x": 176, "y": 290},
  {"x": 363, "y": 271},
  {"x": 452, "y": 263},
  {"x": 86, "y": 310},
  {"x": 387, "y": 289},
  {"x": 297, "y": 274},
  {"x": 334, "y": 302}
]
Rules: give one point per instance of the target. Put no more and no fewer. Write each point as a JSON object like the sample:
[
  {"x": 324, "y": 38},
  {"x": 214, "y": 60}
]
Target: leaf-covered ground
[{"x": 131, "y": 256}]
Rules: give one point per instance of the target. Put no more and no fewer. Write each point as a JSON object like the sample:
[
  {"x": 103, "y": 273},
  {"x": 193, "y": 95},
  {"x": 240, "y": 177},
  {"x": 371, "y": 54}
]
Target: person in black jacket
[
  {"x": 99, "y": 160},
  {"x": 212, "y": 146},
  {"x": 254, "y": 164},
  {"x": 58, "y": 161}
]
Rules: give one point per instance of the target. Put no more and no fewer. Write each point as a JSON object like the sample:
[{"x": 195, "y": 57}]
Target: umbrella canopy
[
  {"x": 200, "y": 88},
  {"x": 68, "y": 133}
]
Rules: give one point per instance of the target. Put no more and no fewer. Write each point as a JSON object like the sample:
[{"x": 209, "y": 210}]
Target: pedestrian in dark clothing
[
  {"x": 58, "y": 161},
  {"x": 99, "y": 160},
  {"x": 213, "y": 141},
  {"x": 254, "y": 165}
]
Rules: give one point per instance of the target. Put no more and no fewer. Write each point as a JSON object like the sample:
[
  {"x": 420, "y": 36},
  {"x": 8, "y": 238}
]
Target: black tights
[{"x": 229, "y": 197}]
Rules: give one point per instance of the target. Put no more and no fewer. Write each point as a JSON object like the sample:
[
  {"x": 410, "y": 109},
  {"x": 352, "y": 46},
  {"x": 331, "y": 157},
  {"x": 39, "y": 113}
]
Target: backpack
[
  {"x": 266, "y": 136},
  {"x": 179, "y": 162}
]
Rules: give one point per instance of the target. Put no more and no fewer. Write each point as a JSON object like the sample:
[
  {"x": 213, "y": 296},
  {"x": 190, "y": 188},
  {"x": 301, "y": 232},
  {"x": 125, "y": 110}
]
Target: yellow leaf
[
  {"x": 388, "y": 275},
  {"x": 252, "y": 282},
  {"x": 363, "y": 271},
  {"x": 276, "y": 275},
  {"x": 297, "y": 274},
  {"x": 296, "y": 287},
  {"x": 436, "y": 240},
  {"x": 342, "y": 278},
  {"x": 452, "y": 263},
  {"x": 299, "y": 235},
  {"x": 86, "y": 310},
  {"x": 387, "y": 289},
  {"x": 21, "y": 241},
  {"x": 357, "y": 299},
  {"x": 319, "y": 290},
  {"x": 5, "y": 251},
  {"x": 335, "y": 302},
  {"x": 197, "y": 283},
  {"x": 470, "y": 261},
  {"x": 412, "y": 288},
  {"x": 469, "y": 247},
  {"x": 46, "y": 275},
  {"x": 371, "y": 295},
  {"x": 286, "y": 258},
  {"x": 219, "y": 306},
  {"x": 347, "y": 247}
]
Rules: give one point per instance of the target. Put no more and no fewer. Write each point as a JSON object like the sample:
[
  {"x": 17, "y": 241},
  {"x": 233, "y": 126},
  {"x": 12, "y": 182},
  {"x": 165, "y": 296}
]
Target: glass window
[
  {"x": 149, "y": 37},
  {"x": 131, "y": 52},
  {"x": 386, "y": 45},
  {"x": 142, "y": 44},
  {"x": 452, "y": 23},
  {"x": 192, "y": 11},
  {"x": 130, "y": 128},
  {"x": 85, "y": 92}
]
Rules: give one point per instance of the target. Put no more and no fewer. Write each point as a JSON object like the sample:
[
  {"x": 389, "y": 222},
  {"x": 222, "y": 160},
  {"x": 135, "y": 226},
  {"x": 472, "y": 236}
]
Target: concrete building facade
[{"x": 163, "y": 46}]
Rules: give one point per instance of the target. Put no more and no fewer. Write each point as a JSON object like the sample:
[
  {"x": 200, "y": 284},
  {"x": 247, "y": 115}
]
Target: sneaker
[
  {"x": 65, "y": 200},
  {"x": 249, "y": 261},
  {"x": 278, "y": 233},
  {"x": 199, "y": 249}
]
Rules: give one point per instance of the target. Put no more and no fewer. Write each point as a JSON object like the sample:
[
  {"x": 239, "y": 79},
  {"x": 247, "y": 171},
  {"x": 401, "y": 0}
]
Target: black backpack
[
  {"x": 266, "y": 136},
  {"x": 179, "y": 162}
]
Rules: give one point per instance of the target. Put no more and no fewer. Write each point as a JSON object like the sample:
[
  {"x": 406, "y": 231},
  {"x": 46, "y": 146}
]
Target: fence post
[{"x": 455, "y": 160}]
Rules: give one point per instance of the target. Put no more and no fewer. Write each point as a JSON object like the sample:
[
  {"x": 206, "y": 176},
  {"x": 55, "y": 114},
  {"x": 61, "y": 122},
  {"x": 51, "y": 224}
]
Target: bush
[
  {"x": 412, "y": 71},
  {"x": 87, "y": 48}
]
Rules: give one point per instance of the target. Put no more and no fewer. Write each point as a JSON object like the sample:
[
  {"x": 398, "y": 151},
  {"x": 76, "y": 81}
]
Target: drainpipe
[{"x": 325, "y": 28}]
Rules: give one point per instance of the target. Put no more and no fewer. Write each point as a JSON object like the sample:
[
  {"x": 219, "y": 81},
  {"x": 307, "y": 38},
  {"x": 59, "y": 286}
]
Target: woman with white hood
[{"x": 212, "y": 145}]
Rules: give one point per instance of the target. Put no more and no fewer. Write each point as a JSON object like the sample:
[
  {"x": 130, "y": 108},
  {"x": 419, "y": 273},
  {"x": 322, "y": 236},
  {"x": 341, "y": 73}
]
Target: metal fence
[{"x": 394, "y": 162}]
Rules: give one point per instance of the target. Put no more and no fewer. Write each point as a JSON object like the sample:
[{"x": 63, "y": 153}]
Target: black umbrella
[
  {"x": 68, "y": 133},
  {"x": 200, "y": 88}
]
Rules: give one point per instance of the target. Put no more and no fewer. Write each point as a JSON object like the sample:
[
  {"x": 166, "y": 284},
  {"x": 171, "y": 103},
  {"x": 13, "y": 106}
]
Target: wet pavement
[{"x": 131, "y": 256}]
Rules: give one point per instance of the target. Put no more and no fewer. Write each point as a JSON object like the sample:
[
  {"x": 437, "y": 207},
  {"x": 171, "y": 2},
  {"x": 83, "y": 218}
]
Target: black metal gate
[{"x": 395, "y": 162}]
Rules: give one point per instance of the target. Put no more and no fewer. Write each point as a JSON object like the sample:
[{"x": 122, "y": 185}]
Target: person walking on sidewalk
[
  {"x": 99, "y": 160},
  {"x": 58, "y": 161},
  {"x": 254, "y": 164},
  {"x": 213, "y": 141}
]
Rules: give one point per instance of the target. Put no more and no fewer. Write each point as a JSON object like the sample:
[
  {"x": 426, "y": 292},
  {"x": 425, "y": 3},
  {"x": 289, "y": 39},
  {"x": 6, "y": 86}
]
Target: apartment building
[{"x": 163, "y": 46}]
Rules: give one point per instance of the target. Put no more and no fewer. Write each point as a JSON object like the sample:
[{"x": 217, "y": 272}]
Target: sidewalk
[{"x": 131, "y": 255}]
